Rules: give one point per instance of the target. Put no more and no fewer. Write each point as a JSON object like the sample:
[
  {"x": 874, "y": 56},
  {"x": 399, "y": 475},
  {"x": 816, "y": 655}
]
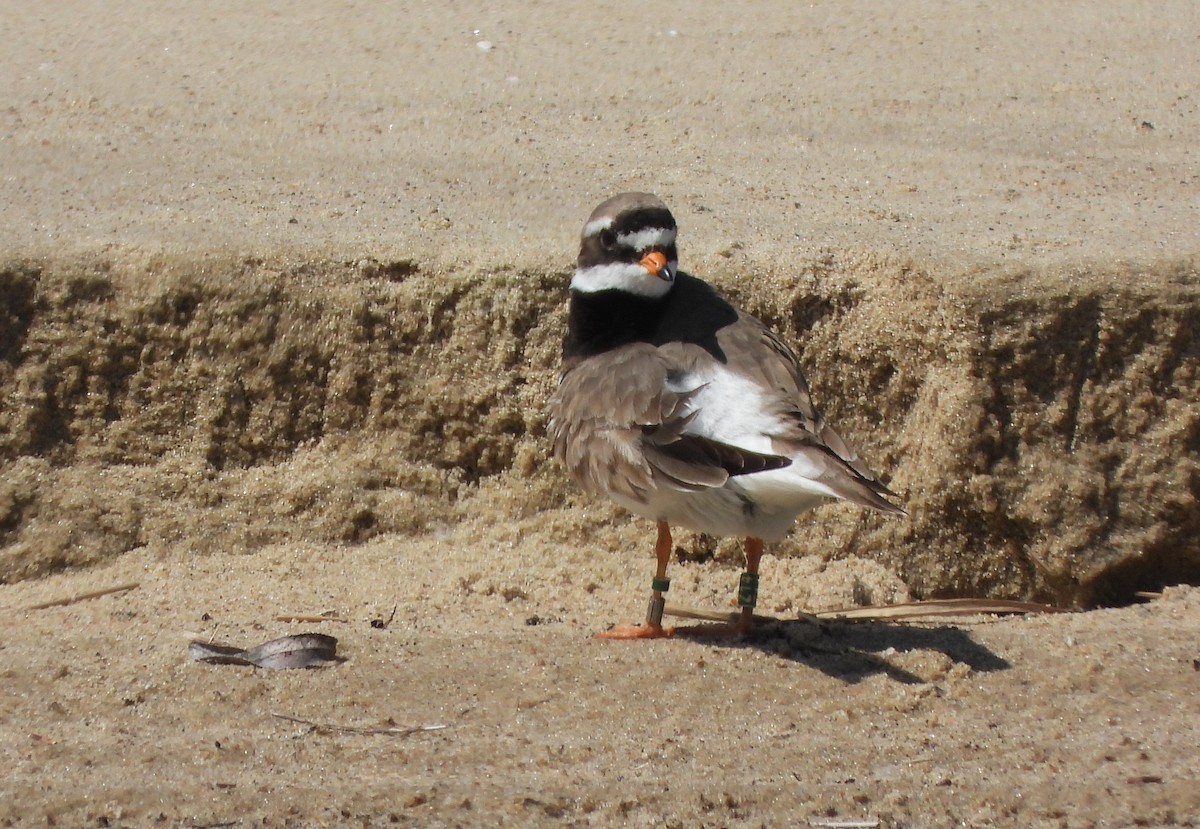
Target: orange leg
[
  {"x": 653, "y": 628},
  {"x": 748, "y": 587},
  {"x": 746, "y": 599}
]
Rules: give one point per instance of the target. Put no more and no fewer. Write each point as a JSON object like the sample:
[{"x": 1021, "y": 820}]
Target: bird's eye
[{"x": 608, "y": 237}]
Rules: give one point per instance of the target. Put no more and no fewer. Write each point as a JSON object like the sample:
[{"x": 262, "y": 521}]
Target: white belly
[{"x": 727, "y": 511}]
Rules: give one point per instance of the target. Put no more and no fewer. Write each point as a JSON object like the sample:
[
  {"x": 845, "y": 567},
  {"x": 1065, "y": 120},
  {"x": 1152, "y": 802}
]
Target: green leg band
[
  {"x": 748, "y": 590},
  {"x": 660, "y": 585}
]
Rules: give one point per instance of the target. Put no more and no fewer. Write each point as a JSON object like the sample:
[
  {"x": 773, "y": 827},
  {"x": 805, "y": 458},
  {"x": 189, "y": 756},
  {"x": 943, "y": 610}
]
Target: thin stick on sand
[
  {"x": 389, "y": 730},
  {"x": 308, "y": 617},
  {"x": 917, "y": 611},
  {"x": 83, "y": 597}
]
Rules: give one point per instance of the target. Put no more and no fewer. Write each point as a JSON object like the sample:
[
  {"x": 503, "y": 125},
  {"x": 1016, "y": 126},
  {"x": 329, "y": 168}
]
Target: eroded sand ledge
[{"x": 1044, "y": 432}]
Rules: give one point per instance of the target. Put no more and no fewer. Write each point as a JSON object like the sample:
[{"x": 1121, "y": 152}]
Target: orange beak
[{"x": 656, "y": 263}]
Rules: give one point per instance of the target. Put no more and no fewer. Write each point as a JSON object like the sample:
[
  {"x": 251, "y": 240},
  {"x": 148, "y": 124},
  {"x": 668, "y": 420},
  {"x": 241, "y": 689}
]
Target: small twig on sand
[
  {"x": 82, "y": 597},
  {"x": 931, "y": 608},
  {"x": 842, "y": 823},
  {"x": 309, "y": 617},
  {"x": 916, "y": 611},
  {"x": 724, "y": 616},
  {"x": 388, "y": 730}
]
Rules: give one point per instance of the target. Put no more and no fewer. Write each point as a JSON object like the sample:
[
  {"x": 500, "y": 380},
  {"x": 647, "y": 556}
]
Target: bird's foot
[{"x": 646, "y": 631}]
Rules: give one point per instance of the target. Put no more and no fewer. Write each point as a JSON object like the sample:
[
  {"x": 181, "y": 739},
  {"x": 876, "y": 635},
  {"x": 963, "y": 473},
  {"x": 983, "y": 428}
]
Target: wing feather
[
  {"x": 760, "y": 354},
  {"x": 632, "y": 439}
]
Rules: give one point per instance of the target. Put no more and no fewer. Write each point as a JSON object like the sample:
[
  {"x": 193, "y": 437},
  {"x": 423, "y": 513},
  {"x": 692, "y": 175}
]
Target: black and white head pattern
[{"x": 628, "y": 244}]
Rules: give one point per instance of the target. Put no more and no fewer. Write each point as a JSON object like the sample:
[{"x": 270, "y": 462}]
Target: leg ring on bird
[
  {"x": 654, "y": 612},
  {"x": 748, "y": 590},
  {"x": 660, "y": 585}
]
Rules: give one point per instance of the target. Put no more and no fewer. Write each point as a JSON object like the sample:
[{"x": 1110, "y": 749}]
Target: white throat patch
[{"x": 629, "y": 277}]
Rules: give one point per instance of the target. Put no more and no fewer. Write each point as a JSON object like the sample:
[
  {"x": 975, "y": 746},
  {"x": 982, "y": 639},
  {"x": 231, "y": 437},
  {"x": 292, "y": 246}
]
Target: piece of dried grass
[
  {"x": 914, "y": 611},
  {"x": 81, "y": 597},
  {"x": 386, "y": 730}
]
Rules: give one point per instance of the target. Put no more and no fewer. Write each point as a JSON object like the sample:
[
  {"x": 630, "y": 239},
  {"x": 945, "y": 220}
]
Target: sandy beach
[{"x": 281, "y": 298}]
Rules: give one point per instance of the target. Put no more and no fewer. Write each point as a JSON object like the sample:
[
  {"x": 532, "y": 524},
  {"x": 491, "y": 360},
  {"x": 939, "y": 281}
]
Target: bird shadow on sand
[{"x": 853, "y": 651}]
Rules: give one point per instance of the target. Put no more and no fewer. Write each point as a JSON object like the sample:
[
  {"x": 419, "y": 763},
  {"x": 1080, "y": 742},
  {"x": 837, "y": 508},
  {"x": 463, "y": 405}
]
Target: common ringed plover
[{"x": 684, "y": 409}]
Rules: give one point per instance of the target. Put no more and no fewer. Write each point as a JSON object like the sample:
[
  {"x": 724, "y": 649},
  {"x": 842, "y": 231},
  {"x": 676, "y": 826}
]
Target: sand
[{"x": 280, "y": 298}]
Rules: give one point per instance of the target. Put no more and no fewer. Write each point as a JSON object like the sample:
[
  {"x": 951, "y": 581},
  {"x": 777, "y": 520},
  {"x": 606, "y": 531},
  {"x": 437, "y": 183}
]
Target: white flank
[
  {"x": 734, "y": 410},
  {"x": 621, "y": 276}
]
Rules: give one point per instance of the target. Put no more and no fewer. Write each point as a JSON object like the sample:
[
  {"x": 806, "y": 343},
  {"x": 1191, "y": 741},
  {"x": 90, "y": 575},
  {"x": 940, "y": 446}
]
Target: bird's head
[{"x": 628, "y": 244}]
